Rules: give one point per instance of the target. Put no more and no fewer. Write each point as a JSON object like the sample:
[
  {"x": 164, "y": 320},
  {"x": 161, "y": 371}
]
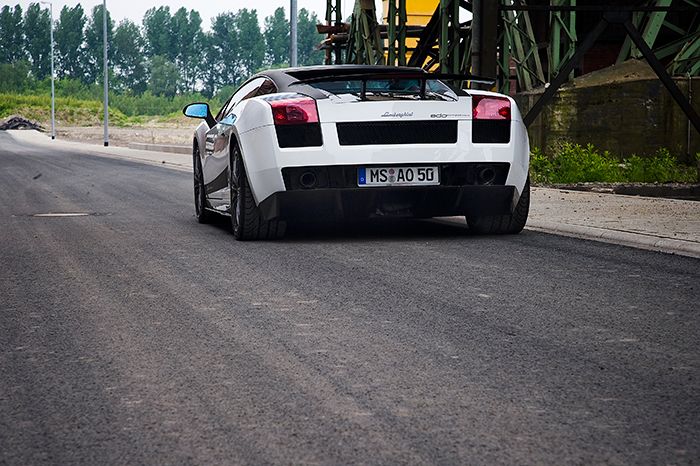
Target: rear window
[{"x": 389, "y": 89}]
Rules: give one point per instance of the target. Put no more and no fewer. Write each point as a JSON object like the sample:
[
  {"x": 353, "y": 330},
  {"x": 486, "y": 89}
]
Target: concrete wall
[{"x": 632, "y": 117}]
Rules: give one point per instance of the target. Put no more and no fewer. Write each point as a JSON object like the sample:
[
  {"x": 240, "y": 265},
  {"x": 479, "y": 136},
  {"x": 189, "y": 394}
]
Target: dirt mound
[{"x": 17, "y": 122}]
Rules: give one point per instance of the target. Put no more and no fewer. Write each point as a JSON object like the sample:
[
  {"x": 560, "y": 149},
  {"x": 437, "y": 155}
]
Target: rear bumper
[
  {"x": 265, "y": 161},
  {"x": 349, "y": 203}
]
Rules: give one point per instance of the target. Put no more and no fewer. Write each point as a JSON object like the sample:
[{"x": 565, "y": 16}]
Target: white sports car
[{"x": 351, "y": 141}]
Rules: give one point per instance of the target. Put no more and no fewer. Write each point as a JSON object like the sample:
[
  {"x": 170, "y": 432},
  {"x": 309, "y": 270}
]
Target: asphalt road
[{"x": 135, "y": 335}]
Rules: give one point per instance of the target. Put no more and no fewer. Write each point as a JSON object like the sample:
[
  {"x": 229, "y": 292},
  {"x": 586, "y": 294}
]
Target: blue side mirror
[
  {"x": 196, "y": 110},
  {"x": 199, "y": 110}
]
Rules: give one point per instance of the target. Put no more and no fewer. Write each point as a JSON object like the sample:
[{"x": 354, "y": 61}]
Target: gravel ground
[{"x": 161, "y": 134}]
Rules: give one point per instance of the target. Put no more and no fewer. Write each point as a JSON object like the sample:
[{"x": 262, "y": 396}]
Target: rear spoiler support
[{"x": 423, "y": 77}]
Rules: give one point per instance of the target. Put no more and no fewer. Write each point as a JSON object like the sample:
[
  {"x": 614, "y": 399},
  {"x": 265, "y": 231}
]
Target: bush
[
  {"x": 573, "y": 163},
  {"x": 661, "y": 168}
]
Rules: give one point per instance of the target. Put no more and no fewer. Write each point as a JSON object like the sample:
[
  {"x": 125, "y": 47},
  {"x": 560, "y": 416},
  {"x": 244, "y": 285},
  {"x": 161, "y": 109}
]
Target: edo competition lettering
[{"x": 448, "y": 115}]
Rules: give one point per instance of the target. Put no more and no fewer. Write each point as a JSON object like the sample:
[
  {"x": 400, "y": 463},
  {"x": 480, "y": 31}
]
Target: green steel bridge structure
[{"x": 521, "y": 44}]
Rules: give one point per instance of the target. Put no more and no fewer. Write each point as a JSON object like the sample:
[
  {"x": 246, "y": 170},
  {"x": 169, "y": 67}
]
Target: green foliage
[
  {"x": 69, "y": 111},
  {"x": 37, "y": 32},
  {"x": 277, "y": 38},
  {"x": 68, "y": 38},
  {"x": 251, "y": 44},
  {"x": 158, "y": 32},
  {"x": 148, "y": 104},
  {"x": 308, "y": 39},
  {"x": 573, "y": 163},
  {"x": 164, "y": 77},
  {"x": 660, "y": 168},
  {"x": 234, "y": 48},
  {"x": 222, "y": 53},
  {"x": 11, "y": 34},
  {"x": 93, "y": 56},
  {"x": 128, "y": 58},
  {"x": 541, "y": 167},
  {"x": 189, "y": 41},
  {"x": 15, "y": 77}
]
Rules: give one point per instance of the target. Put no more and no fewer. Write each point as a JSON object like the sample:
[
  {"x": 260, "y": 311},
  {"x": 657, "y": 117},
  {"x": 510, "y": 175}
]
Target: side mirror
[{"x": 199, "y": 110}]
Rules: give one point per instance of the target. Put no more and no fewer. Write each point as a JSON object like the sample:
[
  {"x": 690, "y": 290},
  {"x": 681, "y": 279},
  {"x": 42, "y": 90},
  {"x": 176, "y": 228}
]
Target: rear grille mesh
[{"x": 397, "y": 132}]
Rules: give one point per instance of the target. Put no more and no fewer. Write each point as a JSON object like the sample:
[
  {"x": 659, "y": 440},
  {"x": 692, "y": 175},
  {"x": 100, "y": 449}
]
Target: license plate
[{"x": 397, "y": 176}]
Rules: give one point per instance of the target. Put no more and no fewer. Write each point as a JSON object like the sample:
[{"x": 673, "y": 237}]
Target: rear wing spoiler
[{"x": 422, "y": 76}]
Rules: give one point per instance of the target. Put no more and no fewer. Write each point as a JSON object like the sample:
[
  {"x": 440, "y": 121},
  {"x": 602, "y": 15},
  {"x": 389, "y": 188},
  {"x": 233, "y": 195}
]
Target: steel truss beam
[
  {"x": 518, "y": 42},
  {"x": 334, "y": 17},
  {"x": 365, "y": 42},
  {"x": 564, "y": 37},
  {"x": 396, "y": 33},
  {"x": 682, "y": 51},
  {"x": 614, "y": 17},
  {"x": 445, "y": 43}
]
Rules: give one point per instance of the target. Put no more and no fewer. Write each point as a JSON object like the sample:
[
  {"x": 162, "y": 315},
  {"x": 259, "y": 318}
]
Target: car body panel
[{"x": 249, "y": 124}]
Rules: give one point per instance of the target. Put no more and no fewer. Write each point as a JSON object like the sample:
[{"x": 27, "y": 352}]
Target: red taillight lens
[
  {"x": 294, "y": 111},
  {"x": 490, "y": 108}
]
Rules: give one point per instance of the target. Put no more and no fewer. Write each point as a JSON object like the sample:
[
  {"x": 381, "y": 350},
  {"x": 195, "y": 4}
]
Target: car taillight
[
  {"x": 294, "y": 111},
  {"x": 490, "y": 108}
]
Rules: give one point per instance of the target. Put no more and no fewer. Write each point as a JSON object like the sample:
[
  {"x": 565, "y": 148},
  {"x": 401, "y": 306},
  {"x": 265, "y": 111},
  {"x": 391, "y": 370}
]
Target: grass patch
[
  {"x": 573, "y": 163},
  {"x": 69, "y": 111}
]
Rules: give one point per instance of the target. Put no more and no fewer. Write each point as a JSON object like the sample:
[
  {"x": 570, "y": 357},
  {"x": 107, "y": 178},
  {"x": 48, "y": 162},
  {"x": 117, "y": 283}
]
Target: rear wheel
[
  {"x": 503, "y": 224},
  {"x": 247, "y": 221},
  {"x": 200, "y": 196}
]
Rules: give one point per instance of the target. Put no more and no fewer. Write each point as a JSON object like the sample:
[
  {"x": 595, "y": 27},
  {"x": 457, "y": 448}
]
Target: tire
[
  {"x": 508, "y": 224},
  {"x": 200, "y": 198},
  {"x": 247, "y": 221}
]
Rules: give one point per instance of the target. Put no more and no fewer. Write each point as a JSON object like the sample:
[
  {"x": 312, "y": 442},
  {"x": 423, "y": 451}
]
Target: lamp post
[
  {"x": 53, "y": 91},
  {"x": 106, "y": 79},
  {"x": 293, "y": 32}
]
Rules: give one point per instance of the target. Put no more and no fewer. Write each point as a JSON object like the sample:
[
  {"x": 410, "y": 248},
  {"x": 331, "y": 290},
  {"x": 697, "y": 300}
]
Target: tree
[
  {"x": 308, "y": 39},
  {"x": 11, "y": 35},
  {"x": 37, "y": 33},
  {"x": 277, "y": 38},
  {"x": 221, "y": 52},
  {"x": 68, "y": 39},
  {"x": 186, "y": 29},
  {"x": 251, "y": 43},
  {"x": 164, "y": 77},
  {"x": 157, "y": 25},
  {"x": 93, "y": 57},
  {"x": 15, "y": 77},
  {"x": 128, "y": 57}
]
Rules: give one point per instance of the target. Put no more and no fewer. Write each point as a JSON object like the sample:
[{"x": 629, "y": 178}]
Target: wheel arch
[{"x": 234, "y": 141}]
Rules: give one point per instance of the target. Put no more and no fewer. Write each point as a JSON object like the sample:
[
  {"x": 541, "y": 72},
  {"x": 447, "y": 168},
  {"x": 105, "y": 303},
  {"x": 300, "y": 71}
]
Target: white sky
[{"x": 135, "y": 9}]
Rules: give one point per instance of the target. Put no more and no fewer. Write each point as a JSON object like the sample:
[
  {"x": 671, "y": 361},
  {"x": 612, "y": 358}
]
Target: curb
[
  {"x": 624, "y": 238},
  {"x": 170, "y": 148},
  {"x": 603, "y": 235}
]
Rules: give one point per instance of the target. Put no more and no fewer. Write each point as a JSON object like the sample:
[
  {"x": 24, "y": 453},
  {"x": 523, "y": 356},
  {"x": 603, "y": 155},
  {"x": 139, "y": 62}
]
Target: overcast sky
[{"x": 135, "y": 9}]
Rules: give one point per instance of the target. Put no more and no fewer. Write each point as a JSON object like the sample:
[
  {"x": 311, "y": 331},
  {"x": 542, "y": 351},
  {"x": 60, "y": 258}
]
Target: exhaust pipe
[
  {"x": 486, "y": 175},
  {"x": 308, "y": 180}
]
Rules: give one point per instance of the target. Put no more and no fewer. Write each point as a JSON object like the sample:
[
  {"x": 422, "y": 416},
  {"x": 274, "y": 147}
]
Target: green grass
[
  {"x": 573, "y": 163},
  {"x": 69, "y": 111},
  {"x": 85, "y": 110}
]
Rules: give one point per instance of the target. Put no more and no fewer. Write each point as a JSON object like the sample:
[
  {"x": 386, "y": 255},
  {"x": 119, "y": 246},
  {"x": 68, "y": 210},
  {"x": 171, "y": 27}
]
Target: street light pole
[
  {"x": 293, "y": 32},
  {"x": 106, "y": 79},
  {"x": 53, "y": 90}
]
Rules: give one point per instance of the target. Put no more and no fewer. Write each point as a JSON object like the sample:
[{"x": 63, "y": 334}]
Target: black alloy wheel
[
  {"x": 200, "y": 197},
  {"x": 247, "y": 221},
  {"x": 508, "y": 224}
]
